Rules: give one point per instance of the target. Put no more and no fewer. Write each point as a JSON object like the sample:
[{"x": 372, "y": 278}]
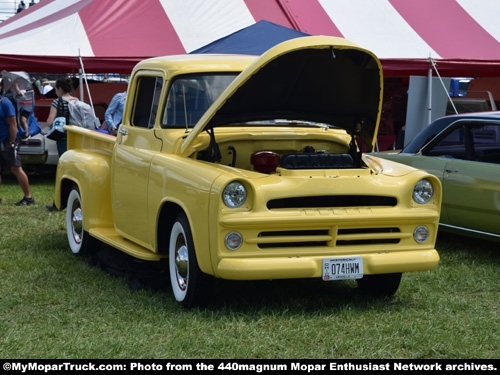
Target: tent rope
[
  {"x": 433, "y": 62},
  {"x": 86, "y": 82}
]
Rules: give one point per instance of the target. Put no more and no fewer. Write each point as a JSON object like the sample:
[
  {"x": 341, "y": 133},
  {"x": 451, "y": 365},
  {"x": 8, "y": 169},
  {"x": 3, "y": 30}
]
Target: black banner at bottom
[{"x": 258, "y": 366}]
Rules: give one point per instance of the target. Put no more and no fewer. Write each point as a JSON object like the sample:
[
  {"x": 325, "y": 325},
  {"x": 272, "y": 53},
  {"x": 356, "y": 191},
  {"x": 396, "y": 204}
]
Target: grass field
[{"x": 57, "y": 305}]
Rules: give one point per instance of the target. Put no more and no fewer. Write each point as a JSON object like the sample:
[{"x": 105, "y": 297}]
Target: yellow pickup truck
[{"x": 249, "y": 168}]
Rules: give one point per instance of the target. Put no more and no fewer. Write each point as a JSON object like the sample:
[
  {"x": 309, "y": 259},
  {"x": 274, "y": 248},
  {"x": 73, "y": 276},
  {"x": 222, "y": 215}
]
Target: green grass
[{"x": 57, "y": 305}]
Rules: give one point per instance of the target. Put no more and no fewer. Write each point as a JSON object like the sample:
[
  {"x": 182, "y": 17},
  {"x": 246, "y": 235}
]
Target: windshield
[{"x": 191, "y": 95}]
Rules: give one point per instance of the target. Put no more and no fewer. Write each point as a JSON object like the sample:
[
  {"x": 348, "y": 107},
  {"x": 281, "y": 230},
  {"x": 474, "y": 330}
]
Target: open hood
[{"x": 314, "y": 78}]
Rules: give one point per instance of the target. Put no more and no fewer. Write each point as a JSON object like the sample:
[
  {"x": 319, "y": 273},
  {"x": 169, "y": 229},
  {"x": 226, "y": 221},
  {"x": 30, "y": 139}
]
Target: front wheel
[
  {"x": 384, "y": 285},
  {"x": 190, "y": 286},
  {"x": 79, "y": 239}
]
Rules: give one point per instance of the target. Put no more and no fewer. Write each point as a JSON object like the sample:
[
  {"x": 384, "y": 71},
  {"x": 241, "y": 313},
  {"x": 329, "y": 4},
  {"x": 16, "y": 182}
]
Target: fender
[{"x": 91, "y": 172}]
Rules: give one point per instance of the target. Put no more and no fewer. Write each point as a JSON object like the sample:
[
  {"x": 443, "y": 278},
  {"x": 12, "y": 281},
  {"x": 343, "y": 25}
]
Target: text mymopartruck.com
[{"x": 309, "y": 367}]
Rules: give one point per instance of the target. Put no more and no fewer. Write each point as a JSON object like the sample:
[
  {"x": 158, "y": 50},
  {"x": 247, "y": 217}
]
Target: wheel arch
[
  {"x": 66, "y": 186},
  {"x": 166, "y": 220}
]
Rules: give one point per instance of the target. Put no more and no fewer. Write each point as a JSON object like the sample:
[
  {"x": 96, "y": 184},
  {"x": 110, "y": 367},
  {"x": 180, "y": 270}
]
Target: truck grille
[
  {"x": 324, "y": 238},
  {"x": 332, "y": 201}
]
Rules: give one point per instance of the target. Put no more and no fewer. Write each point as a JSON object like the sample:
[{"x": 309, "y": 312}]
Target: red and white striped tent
[{"x": 461, "y": 36}]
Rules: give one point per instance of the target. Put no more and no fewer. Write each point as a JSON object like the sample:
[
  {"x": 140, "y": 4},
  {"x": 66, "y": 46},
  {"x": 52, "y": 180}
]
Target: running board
[{"x": 111, "y": 237}]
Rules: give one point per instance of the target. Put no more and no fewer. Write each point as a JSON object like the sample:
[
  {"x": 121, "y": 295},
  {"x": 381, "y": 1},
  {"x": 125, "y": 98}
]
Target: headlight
[
  {"x": 234, "y": 195},
  {"x": 423, "y": 191}
]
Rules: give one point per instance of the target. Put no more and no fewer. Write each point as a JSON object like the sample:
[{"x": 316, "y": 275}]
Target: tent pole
[
  {"x": 429, "y": 95},
  {"x": 80, "y": 84}
]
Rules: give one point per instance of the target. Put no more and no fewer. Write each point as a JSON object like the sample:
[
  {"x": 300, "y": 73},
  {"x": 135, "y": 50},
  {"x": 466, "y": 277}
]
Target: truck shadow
[{"x": 295, "y": 294}]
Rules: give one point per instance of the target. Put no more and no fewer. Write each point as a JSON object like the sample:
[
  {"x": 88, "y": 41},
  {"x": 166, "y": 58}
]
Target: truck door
[
  {"x": 135, "y": 148},
  {"x": 473, "y": 185}
]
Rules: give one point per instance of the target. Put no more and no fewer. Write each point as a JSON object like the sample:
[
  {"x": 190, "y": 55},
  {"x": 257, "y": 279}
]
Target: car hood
[{"x": 315, "y": 78}]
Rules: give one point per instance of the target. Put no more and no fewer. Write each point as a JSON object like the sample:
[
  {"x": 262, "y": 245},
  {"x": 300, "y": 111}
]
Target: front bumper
[{"x": 311, "y": 267}]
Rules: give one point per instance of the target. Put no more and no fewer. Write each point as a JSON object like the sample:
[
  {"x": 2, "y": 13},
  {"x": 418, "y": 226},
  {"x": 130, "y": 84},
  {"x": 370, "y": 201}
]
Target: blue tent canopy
[{"x": 252, "y": 40}]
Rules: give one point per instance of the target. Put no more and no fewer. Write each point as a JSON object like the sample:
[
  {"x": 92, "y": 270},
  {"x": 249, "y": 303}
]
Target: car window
[
  {"x": 476, "y": 141},
  {"x": 487, "y": 143},
  {"x": 426, "y": 135},
  {"x": 450, "y": 145},
  {"x": 190, "y": 96},
  {"x": 148, "y": 98}
]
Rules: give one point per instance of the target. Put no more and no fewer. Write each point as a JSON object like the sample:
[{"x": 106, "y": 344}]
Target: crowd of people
[{"x": 14, "y": 119}]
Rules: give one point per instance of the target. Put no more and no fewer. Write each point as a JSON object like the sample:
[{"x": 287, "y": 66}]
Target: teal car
[{"x": 463, "y": 151}]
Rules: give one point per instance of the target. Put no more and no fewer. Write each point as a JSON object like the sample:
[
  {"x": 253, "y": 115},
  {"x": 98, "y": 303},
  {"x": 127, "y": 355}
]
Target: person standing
[
  {"x": 38, "y": 84},
  {"x": 21, "y": 6},
  {"x": 16, "y": 94},
  {"x": 9, "y": 150},
  {"x": 114, "y": 113},
  {"x": 59, "y": 108}
]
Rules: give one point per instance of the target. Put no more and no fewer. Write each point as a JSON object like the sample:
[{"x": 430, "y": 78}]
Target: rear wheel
[
  {"x": 384, "y": 285},
  {"x": 190, "y": 286},
  {"x": 79, "y": 239}
]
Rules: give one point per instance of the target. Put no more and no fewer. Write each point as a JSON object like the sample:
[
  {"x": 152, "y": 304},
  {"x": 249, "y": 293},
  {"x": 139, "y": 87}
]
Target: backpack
[{"x": 83, "y": 115}]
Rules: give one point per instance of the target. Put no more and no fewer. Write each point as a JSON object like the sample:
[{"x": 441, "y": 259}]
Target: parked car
[
  {"x": 463, "y": 151},
  {"x": 38, "y": 149}
]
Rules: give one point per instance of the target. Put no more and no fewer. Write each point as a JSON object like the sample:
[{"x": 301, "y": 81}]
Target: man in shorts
[{"x": 9, "y": 150}]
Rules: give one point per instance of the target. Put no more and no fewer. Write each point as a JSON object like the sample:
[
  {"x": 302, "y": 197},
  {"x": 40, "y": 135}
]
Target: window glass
[
  {"x": 476, "y": 141},
  {"x": 147, "y": 101},
  {"x": 452, "y": 145},
  {"x": 487, "y": 135},
  {"x": 190, "y": 96},
  {"x": 487, "y": 143}
]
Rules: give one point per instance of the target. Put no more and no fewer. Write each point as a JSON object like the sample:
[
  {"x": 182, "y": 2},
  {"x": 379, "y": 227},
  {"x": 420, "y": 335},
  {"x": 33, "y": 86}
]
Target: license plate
[{"x": 342, "y": 268}]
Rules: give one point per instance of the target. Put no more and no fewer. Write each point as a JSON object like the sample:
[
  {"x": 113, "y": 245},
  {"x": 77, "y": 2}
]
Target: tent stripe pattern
[{"x": 462, "y": 35}]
